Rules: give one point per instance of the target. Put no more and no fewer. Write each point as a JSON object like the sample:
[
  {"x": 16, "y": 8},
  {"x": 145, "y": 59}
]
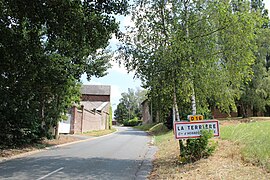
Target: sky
[
  {"x": 117, "y": 77},
  {"x": 267, "y": 5}
]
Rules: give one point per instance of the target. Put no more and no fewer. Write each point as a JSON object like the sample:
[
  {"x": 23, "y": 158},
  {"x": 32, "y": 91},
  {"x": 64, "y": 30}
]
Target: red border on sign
[{"x": 194, "y": 122}]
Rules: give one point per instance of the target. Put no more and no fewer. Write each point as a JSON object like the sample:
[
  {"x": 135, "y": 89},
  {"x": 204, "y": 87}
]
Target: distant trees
[
  {"x": 129, "y": 106},
  {"x": 45, "y": 47},
  {"x": 192, "y": 55},
  {"x": 255, "y": 94}
]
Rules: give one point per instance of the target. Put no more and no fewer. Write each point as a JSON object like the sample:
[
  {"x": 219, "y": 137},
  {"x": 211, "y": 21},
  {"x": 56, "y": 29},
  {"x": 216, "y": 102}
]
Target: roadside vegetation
[
  {"x": 46, "y": 46},
  {"x": 63, "y": 139},
  {"x": 132, "y": 122},
  {"x": 128, "y": 111},
  {"x": 153, "y": 128},
  {"x": 9, "y": 152},
  {"x": 158, "y": 129},
  {"x": 253, "y": 139},
  {"x": 97, "y": 133},
  {"x": 145, "y": 127},
  {"x": 229, "y": 161},
  {"x": 194, "y": 59},
  {"x": 191, "y": 150}
]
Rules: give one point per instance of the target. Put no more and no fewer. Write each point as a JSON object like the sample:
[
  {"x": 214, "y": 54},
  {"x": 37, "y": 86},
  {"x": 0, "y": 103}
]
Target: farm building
[{"x": 92, "y": 113}]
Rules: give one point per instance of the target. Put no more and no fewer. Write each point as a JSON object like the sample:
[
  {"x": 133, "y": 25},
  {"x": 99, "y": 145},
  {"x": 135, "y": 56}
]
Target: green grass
[
  {"x": 158, "y": 129},
  {"x": 255, "y": 138},
  {"x": 165, "y": 137},
  {"x": 144, "y": 127},
  {"x": 99, "y": 132},
  {"x": 153, "y": 129}
]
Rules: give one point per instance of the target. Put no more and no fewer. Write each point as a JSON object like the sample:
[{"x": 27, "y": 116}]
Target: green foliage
[
  {"x": 145, "y": 127},
  {"x": 255, "y": 140},
  {"x": 195, "y": 149},
  {"x": 132, "y": 122},
  {"x": 129, "y": 106},
  {"x": 45, "y": 48},
  {"x": 110, "y": 118},
  {"x": 158, "y": 129},
  {"x": 256, "y": 93},
  {"x": 180, "y": 45},
  {"x": 121, "y": 112}
]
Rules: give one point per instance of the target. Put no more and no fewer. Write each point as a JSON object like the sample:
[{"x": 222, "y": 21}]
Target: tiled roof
[{"x": 96, "y": 89}]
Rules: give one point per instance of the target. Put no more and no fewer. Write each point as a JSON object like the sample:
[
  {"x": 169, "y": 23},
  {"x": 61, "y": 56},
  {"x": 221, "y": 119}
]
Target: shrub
[
  {"x": 132, "y": 122},
  {"x": 195, "y": 149}
]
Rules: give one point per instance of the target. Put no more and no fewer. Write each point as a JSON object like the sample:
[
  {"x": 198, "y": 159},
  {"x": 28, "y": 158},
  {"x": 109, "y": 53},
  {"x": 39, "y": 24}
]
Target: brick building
[
  {"x": 96, "y": 93},
  {"x": 93, "y": 111}
]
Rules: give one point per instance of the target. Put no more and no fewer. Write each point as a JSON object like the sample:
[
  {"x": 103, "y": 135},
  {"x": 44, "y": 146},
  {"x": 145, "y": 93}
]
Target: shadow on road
[
  {"x": 131, "y": 131},
  {"x": 73, "y": 168}
]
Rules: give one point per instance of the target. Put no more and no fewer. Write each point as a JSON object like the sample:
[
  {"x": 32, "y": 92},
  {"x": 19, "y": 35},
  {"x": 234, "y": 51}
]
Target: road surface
[{"x": 122, "y": 155}]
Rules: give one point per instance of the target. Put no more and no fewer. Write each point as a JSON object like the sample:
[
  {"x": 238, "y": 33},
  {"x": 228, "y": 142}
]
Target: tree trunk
[
  {"x": 193, "y": 97},
  {"x": 56, "y": 135},
  {"x": 193, "y": 102},
  {"x": 175, "y": 106}
]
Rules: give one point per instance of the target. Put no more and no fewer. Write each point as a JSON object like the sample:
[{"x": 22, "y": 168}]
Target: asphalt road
[{"x": 122, "y": 155}]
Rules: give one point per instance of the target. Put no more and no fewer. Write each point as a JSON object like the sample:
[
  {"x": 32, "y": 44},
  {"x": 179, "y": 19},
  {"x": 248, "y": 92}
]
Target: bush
[
  {"x": 158, "y": 129},
  {"x": 132, "y": 122},
  {"x": 195, "y": 149}
]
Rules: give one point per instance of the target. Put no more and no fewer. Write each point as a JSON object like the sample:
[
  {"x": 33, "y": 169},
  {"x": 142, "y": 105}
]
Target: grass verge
[
  {"x": 225, "y": 163},
  {"x": 153, "y": 129},
  {"x": 166, "y": 164},
  {"x": 144, "y": 127},
  {"x": 97, "y": 133},
  {"x": 254, "y": 139}
]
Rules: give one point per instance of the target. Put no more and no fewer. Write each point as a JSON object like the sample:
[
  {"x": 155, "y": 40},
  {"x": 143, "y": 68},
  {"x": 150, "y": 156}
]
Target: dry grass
[
  {"x": 239, "y": 120},
  {"x": 6, "y": 153},
  {"x": 254, "y": 137},
  {"x": 99, "y": 132},
  {"x": 226, "y": 163},
  {"x": 63, "y": 139}
]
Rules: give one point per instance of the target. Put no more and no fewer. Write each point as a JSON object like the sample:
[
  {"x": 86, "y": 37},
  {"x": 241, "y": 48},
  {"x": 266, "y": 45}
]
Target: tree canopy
[
  {"x": 45, "y": 47},
  {"x": 255, "y": 95},
  {"x": 193, "y": 50}
]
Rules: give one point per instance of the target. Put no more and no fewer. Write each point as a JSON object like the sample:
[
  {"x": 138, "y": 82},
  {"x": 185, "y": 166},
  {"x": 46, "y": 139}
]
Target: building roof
[{"x": 96, "y": 89}]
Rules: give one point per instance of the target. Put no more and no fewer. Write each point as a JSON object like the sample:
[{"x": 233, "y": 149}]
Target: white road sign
[{"x": 187, "y": 130}]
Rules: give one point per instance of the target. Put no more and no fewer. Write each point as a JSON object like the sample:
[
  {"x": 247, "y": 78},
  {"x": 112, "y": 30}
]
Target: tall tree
[
  {"x": 200, "y": 49},
  {"x": 255, "y": 94},
  {"x": 45, "y": 47},
  {"x": 129, "y": 106}
]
